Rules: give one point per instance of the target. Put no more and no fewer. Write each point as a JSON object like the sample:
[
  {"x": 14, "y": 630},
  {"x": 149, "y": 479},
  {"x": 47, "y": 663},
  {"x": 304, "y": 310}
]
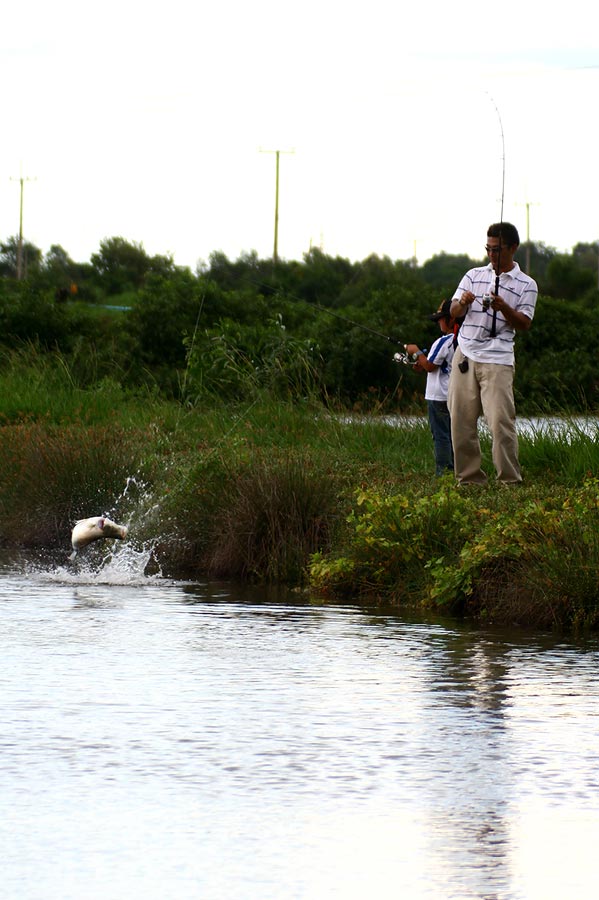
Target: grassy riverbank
[{"x": 296, "y": 494}]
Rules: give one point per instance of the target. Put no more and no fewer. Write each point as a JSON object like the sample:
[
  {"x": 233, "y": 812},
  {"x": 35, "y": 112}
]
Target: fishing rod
[
  {"x": 399, "y": 357},
  {"x": 498, "y": 264}
]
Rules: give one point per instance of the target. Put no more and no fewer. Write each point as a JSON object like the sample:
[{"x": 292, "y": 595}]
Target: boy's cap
[{"x": 443, "y": 312}]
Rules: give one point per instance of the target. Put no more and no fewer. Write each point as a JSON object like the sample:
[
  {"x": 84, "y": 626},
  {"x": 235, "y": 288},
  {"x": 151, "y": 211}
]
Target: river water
[{"x": 172, "y": 740}]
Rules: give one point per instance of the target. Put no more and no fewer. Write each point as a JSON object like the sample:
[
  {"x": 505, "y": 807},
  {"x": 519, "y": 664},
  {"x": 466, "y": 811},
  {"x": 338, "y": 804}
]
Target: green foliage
[
  {"x": 322, "y": 278},
  {"x": 30, "y": 314},
  {"x": 533, "y": 560},
  {"x": 587, "y": 255},
  {"x": 444, "y": 271},
  {"x": 328, "y": 303},
  {"x": 535, "y": 563},
  {"x": 564, "y": 449},
  {"x": 375, "y": 276},
  {"x": 568, "y": 279},
  {"x": 391, "y": 540},
  {"x": 36, "y": 385},
  {"x": 247, "y": 511},
  {"x": 122, "y": 265},
  {"x": 534, "y": 258},
  {"x": 279, "y": 509},
  {"x": 239, "y": 362},
  {"x": 165, "y": 311},
  {"x": 502, "y": 537},
  {"x": 31, "y": 257},
  {"x": 60, "y": 272},
  {"x": 565, "y": 571},
  {"x": 555, "y": 363},
  {"x": 247, "y": 273}
]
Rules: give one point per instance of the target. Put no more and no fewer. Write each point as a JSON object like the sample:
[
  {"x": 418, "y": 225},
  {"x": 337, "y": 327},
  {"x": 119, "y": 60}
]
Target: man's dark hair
[{"x": 506, "y": 232}]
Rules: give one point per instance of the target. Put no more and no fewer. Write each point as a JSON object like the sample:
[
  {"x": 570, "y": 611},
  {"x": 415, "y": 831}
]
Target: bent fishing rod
[{"x": 498, "y": 264}]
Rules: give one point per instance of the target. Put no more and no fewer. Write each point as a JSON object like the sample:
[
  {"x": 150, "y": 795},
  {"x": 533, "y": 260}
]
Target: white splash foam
[{"x": 128, "y": 562}]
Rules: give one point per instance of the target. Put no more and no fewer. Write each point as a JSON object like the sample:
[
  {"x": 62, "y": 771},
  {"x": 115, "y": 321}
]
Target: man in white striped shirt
[{"x": 496, "y": 301}]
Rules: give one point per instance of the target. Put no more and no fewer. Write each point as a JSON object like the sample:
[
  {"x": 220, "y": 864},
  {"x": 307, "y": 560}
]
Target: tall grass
[
  {"x": 51, "y": 476},
  {"x": 278, "y": 509},
  {"x": 255, "y": 489},
  {"x": 51, "y": 386},
  {"x": 567, "y": 449}
]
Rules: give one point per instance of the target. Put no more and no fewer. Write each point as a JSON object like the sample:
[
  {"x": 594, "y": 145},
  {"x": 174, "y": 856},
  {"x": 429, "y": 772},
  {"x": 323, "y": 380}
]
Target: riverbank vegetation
[
  {"x": 251, "y": 423},
  {"x": 297, "y": 493}
]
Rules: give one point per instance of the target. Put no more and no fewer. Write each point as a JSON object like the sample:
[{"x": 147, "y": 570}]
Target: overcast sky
[{"x": 147, "y": 121}]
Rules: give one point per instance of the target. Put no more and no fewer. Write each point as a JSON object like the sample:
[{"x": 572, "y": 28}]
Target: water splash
[
  {"x": 126, "y": 564},
  {"x": 129, "y": 562}
]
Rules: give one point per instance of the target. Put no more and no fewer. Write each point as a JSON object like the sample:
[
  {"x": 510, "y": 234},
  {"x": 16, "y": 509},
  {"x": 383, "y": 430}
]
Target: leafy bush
[
  {"x": 535, "y": 561},
  {"x": 393, "y": 537}
]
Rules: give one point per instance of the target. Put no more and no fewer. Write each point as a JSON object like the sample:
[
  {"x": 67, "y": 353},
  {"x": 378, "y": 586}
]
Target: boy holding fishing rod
[
  {"x": 437, "y": 364},
  {"x": 495, "y": 300}
]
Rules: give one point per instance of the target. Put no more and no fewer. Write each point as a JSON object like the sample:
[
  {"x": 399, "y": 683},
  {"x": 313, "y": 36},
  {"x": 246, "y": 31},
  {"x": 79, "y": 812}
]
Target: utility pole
[
  {"x": 275, "y": 255},
  {"x": 21, "y": 181},
  {"x": 528, "y": 205},
  {"x": 414, "y": 260}
]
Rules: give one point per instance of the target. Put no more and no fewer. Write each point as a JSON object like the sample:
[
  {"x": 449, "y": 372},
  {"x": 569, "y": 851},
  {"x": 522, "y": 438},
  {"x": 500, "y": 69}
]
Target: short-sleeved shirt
[
  {"x": 437, "y": 381},
  {"x": 474, "y": 338}
]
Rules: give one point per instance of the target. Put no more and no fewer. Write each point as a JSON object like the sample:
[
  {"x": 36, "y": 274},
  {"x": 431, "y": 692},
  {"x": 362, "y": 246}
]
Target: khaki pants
[{"x": 485, "y": 389}]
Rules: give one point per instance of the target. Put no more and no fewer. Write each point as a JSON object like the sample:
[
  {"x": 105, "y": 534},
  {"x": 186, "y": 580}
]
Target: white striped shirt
[{"x": 517, "y": 289}]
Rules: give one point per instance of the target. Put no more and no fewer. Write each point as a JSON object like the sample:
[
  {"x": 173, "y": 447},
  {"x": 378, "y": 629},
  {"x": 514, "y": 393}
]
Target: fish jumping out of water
[{"x": 94, "y": 529}]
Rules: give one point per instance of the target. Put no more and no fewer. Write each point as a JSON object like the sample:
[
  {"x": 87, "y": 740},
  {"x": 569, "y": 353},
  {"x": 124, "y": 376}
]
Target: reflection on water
[{"x": 168, "y": 740}]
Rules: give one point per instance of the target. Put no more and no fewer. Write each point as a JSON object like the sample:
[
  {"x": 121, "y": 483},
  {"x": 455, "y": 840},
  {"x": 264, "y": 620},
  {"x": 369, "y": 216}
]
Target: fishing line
[
  {"x": 404, "y": 358},
  {"x": 349, "y": 321},
  {"x": 398, "y": 356},
  {"x": 188, "y": 359}
]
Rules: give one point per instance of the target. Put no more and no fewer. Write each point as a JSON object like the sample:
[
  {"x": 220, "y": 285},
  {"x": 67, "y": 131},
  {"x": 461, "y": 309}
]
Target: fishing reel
[{"x": 406, "y": 359}]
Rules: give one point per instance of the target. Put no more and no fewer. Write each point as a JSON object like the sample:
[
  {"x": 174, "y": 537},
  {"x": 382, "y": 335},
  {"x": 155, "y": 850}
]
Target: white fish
[{"x": 94, "y": 529}]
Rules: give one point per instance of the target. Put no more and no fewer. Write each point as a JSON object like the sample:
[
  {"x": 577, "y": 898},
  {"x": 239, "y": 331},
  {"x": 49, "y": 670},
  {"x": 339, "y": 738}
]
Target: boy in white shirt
[{"x": 437, "y": 364}]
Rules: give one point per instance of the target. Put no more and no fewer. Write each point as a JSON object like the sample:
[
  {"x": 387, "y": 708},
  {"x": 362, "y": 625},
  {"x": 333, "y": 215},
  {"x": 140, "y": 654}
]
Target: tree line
[{"x": 322, "y": 324}]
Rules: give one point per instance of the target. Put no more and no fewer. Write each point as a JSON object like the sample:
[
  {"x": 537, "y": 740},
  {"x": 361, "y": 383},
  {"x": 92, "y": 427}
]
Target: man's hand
[
  {"x": 460, "y": 307},
  {"x": 512, "y": 316}
]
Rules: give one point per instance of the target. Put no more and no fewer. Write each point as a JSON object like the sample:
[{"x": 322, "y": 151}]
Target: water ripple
[{"x": 186, "y": 740}]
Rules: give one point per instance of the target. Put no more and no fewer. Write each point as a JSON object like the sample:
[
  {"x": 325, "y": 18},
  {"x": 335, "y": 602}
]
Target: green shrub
[
  {"x": 497, "y": 555},
  {"x": 393, "y": 537},
  {"x": 239, "y": 362}
]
